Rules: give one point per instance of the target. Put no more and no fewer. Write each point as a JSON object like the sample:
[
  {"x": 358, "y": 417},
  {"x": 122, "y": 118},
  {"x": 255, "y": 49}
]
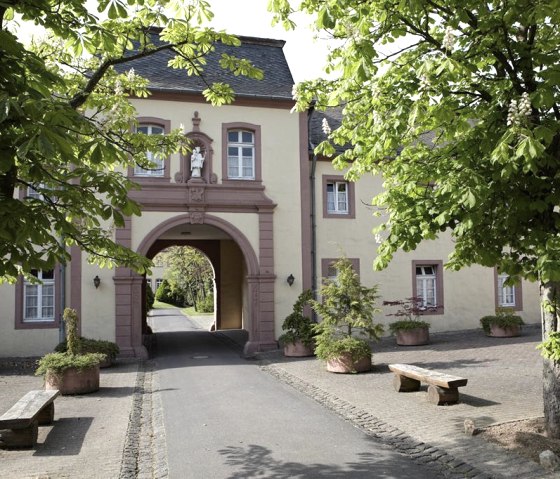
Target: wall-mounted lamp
[
  {"x": 290, "y": 279},
  {"x": 96, "y": 281}
]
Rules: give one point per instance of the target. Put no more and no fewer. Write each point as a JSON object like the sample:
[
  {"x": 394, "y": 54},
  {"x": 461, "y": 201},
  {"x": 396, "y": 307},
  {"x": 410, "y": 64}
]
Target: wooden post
[
  {"x": 20, "y": 438},
  {"x": 404, "y": 384},
  {"x": 439, "y": 396}
]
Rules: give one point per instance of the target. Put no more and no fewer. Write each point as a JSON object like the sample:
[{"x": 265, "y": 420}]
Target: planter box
[
  {"x": 344, "y": 364},
  {"x": 74, "y": 381},
  {"x": 413, "y": 337},
  {"x": 298, "y": 350},
  {"x": 504, "y": 332}
]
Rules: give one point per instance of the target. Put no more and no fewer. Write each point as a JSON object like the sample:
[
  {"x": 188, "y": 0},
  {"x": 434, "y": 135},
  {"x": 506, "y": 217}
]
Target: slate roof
[
  {"x": 264, "y": 53},
  {"x": 334, "y": 118}
]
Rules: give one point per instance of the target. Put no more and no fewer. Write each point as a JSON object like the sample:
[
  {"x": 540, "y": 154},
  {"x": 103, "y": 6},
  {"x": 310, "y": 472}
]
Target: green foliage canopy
[
  {"x": 65, "y": 120},
  {"x": 461, "y": 119}
]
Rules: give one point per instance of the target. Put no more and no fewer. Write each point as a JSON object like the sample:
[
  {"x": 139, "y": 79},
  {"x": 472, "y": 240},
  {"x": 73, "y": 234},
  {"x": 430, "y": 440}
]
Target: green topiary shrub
[
  {"x": 297, "y": 326},
  {"x": 346, "y": 310},
  {"x": 150, "y": 298},
  {"x": 56, "y": 363}
]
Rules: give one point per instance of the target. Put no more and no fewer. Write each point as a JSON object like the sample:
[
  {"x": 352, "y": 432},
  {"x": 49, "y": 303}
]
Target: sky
[{"x": 306, "y": 56}]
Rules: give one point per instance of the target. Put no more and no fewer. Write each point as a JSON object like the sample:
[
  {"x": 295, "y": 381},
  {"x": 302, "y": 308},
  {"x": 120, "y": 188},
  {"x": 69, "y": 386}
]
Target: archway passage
[
  {"x": 227, "y": 262},
  {"x": 246, "y": 288},
  {"x": 184, "y": 277}
]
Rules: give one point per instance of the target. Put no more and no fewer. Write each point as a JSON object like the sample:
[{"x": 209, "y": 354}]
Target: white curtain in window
[{"x": 426, "y": 285}]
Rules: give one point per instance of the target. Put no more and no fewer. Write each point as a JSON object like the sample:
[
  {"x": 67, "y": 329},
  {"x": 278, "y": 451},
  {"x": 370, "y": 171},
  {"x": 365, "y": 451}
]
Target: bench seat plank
[
  {"x": 26, "y": 410},
  {"x": 427, "y": 376}
]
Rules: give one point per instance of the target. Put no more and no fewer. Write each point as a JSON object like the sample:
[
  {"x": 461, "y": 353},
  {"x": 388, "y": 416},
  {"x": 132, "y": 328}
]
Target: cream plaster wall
[
  {"x": 469, "y": 294},
  {"x": 280, "y": 176},
  {"x": 21, "y": 342},
  {"x": 279, "y": 130},
  {"x": 247, "y": 223},
  {"x": 98, "y": 305}
]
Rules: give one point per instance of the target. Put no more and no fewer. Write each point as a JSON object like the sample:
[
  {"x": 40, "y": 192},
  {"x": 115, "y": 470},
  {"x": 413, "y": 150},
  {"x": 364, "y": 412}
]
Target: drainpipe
[
  {"x": 313, "y": 157},
  {"x": 61, "y": 328}
]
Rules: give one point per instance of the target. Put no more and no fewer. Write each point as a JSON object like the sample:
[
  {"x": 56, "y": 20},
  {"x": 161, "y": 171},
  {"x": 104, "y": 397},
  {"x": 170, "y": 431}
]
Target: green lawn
[
  {"x": 162, "y": 305},
  {"x": 191, "y": 312}
]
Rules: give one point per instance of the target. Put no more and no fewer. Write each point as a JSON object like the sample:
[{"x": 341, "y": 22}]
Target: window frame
[
  {"x": 255, "y": 130},
  {"x": 327, "y": 263},
  {"x": 438, "y": 273},
  {"x": 350, "y": 195},
  {"x": 518, "y": 293},
  {"x": 21, "y": 322},
  {"x": 149, "y": 121}
]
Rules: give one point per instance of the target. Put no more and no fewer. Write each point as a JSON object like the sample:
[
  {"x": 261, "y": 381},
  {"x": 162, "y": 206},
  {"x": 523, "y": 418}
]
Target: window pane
[
  {"x": 330, "y": 201},
  {"x": 157, "y": 130},
  {"x": 248, "y": 152},
  {"x": 142, "y": 129},
  {"x": 48, "y": 274},
  {"x": 246, "y": 137},
  {"x": 233, "y": 136},
  {"x": 233, "y": 151}
]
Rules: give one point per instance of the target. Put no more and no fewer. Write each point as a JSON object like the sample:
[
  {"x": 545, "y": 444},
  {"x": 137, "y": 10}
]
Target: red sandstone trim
[
  {"x": 20, "y": 323},
  {"x": 256, "y": 130},
  {"x": 166, "y": 125},
  {"x": 518, "y": 294},
  {"x": 305, "y": 188},
  {"x": 351, "y": 198}
]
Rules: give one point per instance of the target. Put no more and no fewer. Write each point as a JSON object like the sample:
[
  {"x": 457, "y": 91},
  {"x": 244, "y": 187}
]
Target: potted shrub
[
  {"x": 346, "y": 326},
  {"x": 86, "y": 345},
  {"x": 71, "y": 372},
  {"x": 409, "y": 330},
  {"x": 504, "y": 324},
  {"x": 299, "y": 337}
]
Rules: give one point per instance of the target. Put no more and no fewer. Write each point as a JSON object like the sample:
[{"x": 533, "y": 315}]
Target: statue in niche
[{"x": 197, "y": 161}]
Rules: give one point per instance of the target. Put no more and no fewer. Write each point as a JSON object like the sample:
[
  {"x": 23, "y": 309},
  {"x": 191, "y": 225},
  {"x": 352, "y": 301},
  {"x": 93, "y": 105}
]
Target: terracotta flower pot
[
  {"x": 74, "y": 381},
  {"x": 298, "y": 349},
  {"x": 344, "y": 364},
  {"x": 504, "y": 332},
  {"x": 412, "y": 337}
]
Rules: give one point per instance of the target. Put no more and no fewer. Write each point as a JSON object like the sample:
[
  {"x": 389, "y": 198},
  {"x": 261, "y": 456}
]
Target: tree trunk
[{"x": 550, "y": 296}]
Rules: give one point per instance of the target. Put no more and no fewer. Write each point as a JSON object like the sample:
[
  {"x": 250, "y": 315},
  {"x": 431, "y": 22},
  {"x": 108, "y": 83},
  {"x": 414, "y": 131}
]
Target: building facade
[{"x": 262, "y": 207}]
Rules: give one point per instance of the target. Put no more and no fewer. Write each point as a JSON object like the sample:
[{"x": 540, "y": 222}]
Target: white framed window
[
  {"x": 426, "y": 286},
  {"x": 158, "y": 168},
  {"x": 240, "y": 155},
  {"x": 506, "y": 293},
  {"x": 39, "y": 299},
  {"x": 33, "y": 193},
  {"x": 337, "y": 198},
  {"x": 158, "y": 282},
  {"x": 508, "y": 296}
]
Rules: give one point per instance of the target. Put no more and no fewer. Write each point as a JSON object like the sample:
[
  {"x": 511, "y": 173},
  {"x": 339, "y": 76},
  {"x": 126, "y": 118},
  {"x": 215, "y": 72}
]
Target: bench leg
[
  {"x": 20, "y": 438},
  {"x": 404, "y": 384},
  {"x": 46, "y": 415},
  {"x": 438, "y": 396}
]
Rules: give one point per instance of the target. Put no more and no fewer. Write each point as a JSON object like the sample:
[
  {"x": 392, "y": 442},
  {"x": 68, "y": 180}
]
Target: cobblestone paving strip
[
  {"x": 145, "y": 453},
  {"x": 446, "y": 465}
]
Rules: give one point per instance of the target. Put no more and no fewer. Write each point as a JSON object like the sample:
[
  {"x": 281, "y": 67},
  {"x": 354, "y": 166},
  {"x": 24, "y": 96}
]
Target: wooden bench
[
  {"x": 442, "y": 387},
  {"x": 20, "y": 423}
]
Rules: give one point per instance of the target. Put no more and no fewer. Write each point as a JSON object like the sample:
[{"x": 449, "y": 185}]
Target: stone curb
[{"x": 445, "y": 465}]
